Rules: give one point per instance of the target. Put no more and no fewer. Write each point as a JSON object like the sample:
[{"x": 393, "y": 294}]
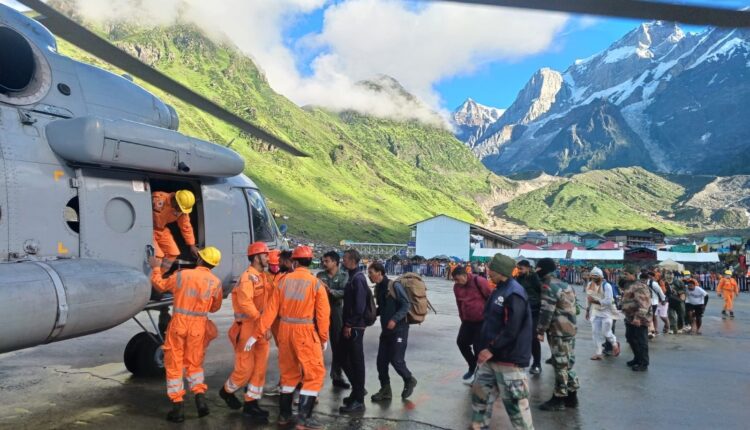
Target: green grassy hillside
[
  {"x": 629, "y": 198},
  {"x": 366, "y": 179}
]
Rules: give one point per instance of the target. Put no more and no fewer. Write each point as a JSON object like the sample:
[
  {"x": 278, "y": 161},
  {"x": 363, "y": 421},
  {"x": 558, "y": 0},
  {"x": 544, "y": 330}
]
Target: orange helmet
[
  {"x": 273, "y": 257},
  {"x": 302, "y": 252},
  {"x": 257, "y": 248}
]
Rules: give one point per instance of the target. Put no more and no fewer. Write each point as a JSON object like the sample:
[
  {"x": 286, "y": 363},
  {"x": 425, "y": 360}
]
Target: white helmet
[{"x": 597, "y": 272}]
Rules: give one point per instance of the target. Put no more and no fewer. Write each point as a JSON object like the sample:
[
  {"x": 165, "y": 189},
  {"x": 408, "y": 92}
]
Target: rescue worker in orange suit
[
  {"x": 196, "y": 293},
  {"x": 301, "y": 304},
  {"x": 278, "y": 267},
  {"x": 249, "y": 300},
  {"x": 728, "y": 289},
  {"x": 169, "y": 208}
]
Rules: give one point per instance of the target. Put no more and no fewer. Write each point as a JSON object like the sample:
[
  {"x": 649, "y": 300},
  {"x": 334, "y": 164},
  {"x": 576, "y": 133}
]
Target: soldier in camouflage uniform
[
  {"x": 636, "y": 305},
  {"x": 558, "y": 320},
  {"x": 505, "y": 349},
  {"x": 676, "y": 295}
]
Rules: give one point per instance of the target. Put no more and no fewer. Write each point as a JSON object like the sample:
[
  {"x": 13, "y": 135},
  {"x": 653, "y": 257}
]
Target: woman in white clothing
[{"x": 601, "y": 311}]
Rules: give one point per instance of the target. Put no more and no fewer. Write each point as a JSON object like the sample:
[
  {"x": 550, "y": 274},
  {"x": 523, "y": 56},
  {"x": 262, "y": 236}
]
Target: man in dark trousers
[
  {"x": 356, "y": 294},
  {"x": 335, "y": 280},
  {"x": 530, "y": 282},
  {"x": 393, "y": 306},
  {"x": 505, "y": 350},
  {"x": 471, "y": 293},
  {"x": 636, "y": 305}
]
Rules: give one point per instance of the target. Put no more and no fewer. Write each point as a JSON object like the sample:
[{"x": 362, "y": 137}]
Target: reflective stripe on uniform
[
  {"x": 254, "y": 392},
  {"x": 179, "y": 279},
  {"x": 308, "y": 393},
  {"x": 286, "y": 389},
  {"x": 195, "y": 379},
  {"x": 189, "y": 313},
  {"x": 291, "y": 320},
  {"x": 174, "y": 386},
  {"x": 230, "y": 386}
]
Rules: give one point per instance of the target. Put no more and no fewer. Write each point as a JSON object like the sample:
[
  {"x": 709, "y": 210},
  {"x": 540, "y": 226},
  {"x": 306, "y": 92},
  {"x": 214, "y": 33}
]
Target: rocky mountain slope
[
  {"x": 680, "y": 99},
  {"x": 471, "y": 120}
]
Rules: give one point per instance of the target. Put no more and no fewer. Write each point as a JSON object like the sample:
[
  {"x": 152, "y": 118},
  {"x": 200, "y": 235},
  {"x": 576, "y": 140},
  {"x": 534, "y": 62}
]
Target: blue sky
[{"x": 497, "y": 84}]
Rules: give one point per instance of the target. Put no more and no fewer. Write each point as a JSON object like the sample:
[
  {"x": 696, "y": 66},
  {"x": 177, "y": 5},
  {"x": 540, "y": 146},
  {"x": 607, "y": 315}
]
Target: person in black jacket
[
  {"x": 505, "y": 350},
  {"x": 393, "y": 306},
  {"x": 530, "y": 282},
  {"x": 356, "y": 294}
]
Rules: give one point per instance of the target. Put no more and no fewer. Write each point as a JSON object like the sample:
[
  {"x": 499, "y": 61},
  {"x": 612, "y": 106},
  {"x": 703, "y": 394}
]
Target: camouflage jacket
[
  {"x": 558, "y": 312},
  {"x": 636, "y": 303}
]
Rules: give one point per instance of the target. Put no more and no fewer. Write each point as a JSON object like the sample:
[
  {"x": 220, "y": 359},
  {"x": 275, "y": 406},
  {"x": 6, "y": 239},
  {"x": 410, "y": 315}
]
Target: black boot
[
  {"x": 383, "y": 395},
  {"x": 409, "y": 385},
  {"x": 554, "y": 404},
  {"x": 177, "y": 414},
  {"x": 230, "y": 399},
  {"x": 352, "y": 406},
  {"x": 632, "y": 362},
  {"x": 285, "y": 408},
  {"x": 201, "y": 405},
  {"x": 572, "y": 400},
  {"x": 305, "y": 420},
  {"x": 253, "y": 410}
]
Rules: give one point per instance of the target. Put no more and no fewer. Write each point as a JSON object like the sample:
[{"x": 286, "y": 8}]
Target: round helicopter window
[{"x": 119, "y": 215}]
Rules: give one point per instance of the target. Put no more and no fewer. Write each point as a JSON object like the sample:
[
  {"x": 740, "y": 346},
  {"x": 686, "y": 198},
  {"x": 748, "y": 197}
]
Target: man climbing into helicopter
[{"x": 168, "y": 208}]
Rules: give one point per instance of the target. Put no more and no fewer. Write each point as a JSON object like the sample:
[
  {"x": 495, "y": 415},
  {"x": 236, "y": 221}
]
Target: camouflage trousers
[
  {"x": 564, "y": 357},
  {"x": 505, "y": 381}
]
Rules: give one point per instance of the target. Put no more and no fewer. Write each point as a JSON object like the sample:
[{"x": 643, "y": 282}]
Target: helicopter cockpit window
[{"x": 264, "y": 227}]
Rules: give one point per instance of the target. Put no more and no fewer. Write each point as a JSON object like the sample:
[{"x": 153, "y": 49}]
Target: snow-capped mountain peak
[{"x": 474, "y": 114}]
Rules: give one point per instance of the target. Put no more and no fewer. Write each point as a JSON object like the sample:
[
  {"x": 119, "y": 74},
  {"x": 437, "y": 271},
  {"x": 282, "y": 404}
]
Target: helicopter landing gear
[{"x": 144, "y": 356}]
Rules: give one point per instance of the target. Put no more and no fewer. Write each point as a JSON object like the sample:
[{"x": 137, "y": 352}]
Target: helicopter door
[{"x": 115, "y": 217}]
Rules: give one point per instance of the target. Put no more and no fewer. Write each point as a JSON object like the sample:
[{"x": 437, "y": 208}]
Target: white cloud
[{"x": 359, "y": 39}]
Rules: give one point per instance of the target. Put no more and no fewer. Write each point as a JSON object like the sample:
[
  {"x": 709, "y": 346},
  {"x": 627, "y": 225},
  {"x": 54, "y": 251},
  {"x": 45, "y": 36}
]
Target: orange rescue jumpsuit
[
  {"x": 728, "y": 289},
  {"x": 275, "y": 279},
  {"x": 301, "y": 303},
  {"x": 249, "y": 300},
  {"x": 196, "y": 293},
  {"x": 164, "y": 213}
]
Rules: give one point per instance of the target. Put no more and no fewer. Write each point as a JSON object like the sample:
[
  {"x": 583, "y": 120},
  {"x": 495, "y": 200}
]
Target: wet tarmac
[{"x": 694, "y": 382}]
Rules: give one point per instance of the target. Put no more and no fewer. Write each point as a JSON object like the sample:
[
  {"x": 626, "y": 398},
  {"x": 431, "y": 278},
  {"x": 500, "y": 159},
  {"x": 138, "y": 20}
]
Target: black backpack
[{"x": 371, "y": 310}]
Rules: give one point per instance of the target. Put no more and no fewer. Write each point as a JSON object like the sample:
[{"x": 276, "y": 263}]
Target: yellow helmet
[
  {"x": 185, "y": 200},
  {"x": 728, "y": 272},
  {"x": 686, "y": 273},
  {"x": 210, "y": 255}
]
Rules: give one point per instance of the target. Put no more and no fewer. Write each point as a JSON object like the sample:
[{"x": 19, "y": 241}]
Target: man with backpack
[
  {"x": 471, "y": 294},
  {"x": 357, "y": 297},
  {"x": 393, "y": 308}
]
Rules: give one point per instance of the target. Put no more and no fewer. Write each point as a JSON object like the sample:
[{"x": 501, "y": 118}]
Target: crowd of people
[{"x": 506, "y": 311}]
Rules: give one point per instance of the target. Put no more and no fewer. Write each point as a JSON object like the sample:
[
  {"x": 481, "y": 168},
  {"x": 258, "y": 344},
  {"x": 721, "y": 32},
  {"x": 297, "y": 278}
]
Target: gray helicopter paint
[
  {"x": 95, "y": 278},
  {"x": 97, "y": 295},
  {"x": 127, "y": 144}
]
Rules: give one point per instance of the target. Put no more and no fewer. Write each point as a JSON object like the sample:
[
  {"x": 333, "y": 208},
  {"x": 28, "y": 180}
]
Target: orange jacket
[
  {"x": 164, "y": 213},
  {"x": 728, "y": 286},
  {"x": 301, "y": 298},
  {"x": 250, "y": 295},
  {"x": 196, "y": 291}
]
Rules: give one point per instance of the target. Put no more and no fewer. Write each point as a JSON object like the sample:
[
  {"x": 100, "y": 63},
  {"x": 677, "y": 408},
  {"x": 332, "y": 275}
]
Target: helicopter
[{"x": 81, "y": 151}]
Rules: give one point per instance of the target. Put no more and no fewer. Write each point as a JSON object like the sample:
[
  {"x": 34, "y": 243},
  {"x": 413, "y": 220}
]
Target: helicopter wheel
[{"x": 144, "y": 356}]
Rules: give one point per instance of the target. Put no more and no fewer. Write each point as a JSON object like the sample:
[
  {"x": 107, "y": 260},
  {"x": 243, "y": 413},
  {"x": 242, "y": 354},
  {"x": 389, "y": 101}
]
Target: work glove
[
  {"x": 250, "y": 343},
  {"x": 325, "y": 346}
]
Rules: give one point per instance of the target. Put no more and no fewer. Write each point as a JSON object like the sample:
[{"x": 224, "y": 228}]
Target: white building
[{"x": 451, "y": 237}]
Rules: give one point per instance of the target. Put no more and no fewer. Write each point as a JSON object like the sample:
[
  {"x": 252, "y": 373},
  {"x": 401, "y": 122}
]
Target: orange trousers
[
  {"x": 300, "y": 358},
  {"x": 184, "y": 350},
  {"x": 249, "y": 367},
  {"x": 728, "y": 301},
  {"x": 165, "y": 245}
]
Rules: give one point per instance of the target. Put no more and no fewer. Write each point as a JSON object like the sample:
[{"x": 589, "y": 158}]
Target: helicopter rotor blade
[
  {"x": 635, "y": 9},
  {"x": 85, "y": 39}
]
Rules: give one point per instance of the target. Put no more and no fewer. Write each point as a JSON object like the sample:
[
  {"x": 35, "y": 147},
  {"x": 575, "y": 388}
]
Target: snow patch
[
  {"x": 719, "y": 48},
  {"x": 713, "y": 79},
  {"x": 705, "y": 137},
  {"x": 618, "y": 54}
]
